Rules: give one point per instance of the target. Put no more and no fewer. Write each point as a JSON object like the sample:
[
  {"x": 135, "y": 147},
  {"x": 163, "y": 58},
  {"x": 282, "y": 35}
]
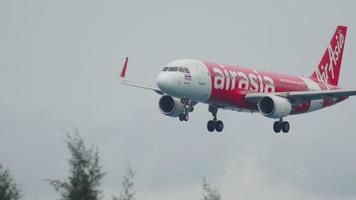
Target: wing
[
  {"x": 142, "y": 86},
  {"x": 303, "y": 95},
  {"x": 124, "y": 81}
]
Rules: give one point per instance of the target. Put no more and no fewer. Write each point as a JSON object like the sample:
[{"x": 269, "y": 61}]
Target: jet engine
[
  {"x": 170, "y": 106},
  {"x": 274, "y": 106}
]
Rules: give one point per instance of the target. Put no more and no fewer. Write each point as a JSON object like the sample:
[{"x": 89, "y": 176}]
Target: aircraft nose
[{"x": 165, "y": 82}]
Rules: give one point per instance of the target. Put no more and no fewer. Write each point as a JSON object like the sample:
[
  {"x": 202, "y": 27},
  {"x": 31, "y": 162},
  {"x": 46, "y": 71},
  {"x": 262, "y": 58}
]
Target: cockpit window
[
  {"x": 186, "y": 70},
  {"x": 183, "y": 70},
  {"x": 173, "y": 69}
]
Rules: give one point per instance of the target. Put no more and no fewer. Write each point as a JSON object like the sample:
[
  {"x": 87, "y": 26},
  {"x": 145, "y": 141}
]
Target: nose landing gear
[
  {"x": 188, "y": 107},
  {"x": 184, "y": 117},
  {"x": 214, "y": 124}
]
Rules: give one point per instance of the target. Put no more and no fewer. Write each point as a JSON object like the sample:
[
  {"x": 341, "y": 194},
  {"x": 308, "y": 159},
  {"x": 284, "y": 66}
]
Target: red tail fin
[{"x": 329, "y": 68}]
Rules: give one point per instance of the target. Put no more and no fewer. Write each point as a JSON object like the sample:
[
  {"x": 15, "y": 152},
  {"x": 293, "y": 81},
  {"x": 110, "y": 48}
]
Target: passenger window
[
  {"x": 165, "y": 69},
  {"x": 173, "y": 69}
]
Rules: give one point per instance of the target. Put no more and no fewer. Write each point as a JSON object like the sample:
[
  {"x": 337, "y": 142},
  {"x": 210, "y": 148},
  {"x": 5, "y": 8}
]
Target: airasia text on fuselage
[{"x": 229, "y": 79}]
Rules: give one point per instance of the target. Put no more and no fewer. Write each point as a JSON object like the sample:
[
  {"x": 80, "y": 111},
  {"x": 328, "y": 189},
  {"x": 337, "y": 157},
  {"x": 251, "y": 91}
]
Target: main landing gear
[
  {"x": 188, "y": 107},
  {"x": 214, "y": 124},
  {"x": 281, "y": 125}
]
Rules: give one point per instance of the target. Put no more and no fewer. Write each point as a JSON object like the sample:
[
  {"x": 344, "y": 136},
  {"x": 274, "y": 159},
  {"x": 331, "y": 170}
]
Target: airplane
[{"x": 184, "y": 83}]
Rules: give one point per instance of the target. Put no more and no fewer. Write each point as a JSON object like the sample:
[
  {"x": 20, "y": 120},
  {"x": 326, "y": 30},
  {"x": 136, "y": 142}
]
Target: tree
[
  {"x": 209, "y": 193},
  {"x": 86, "y": 173},
  {"x": 9, "y": 190},
  {"x": 127, "y": 184}
]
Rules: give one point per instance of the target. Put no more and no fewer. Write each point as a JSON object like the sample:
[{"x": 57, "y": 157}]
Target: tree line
[{"x": 85, "y": 177}]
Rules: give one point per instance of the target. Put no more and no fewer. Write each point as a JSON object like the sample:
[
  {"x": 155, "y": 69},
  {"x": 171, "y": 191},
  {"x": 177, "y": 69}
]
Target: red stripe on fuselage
[{"x": 230, "y": 84}]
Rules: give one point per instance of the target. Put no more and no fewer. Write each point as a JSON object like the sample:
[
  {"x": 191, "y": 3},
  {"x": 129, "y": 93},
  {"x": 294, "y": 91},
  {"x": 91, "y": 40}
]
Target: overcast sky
[{"x": 59, "y": 68}]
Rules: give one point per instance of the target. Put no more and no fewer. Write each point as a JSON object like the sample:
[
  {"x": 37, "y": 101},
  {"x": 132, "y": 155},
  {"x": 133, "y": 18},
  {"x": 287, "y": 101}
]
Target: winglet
[{"x": 123, "y": 71}]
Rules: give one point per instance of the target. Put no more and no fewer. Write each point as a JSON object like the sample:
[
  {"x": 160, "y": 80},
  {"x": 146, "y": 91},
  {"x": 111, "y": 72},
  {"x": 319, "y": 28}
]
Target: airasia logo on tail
[
  {"x": 228, "y": 80},
  {"x": 328, "y": 64}
]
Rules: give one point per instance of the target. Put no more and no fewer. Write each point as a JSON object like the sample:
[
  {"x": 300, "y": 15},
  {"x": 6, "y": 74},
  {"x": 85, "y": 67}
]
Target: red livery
[{"x": 186, "y": 82}]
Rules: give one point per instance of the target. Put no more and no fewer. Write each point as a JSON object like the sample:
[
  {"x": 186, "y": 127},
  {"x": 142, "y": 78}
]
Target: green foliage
[
  {"x": 86, "y": 173},
  {"x": 209, "y": 193},
  {"x": 127, "y": 184},
  {"x": 9, "y": 190}
]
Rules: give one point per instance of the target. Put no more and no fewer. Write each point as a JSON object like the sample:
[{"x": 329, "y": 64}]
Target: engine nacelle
[
  {"x": 274, "y": 106},
  {"x": 170, "y": 106}
]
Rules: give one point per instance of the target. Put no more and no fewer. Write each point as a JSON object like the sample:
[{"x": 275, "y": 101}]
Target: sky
[{"x": 59, "y": 69}]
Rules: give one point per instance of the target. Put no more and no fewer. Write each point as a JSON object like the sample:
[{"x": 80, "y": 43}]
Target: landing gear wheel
[
  {"x": 186, "y": 117},
  {"x": 211, "y": 125},
  {"x": 214, "y": 124},
  {"x": 219, "y": 126},
  {"x": 277, "y": 126},
  {"x": 181, "y": 117},
  {"x": 285, "y": 127}
]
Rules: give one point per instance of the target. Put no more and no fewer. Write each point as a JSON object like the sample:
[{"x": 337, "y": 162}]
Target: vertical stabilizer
[{"x": 329, "y": 67}]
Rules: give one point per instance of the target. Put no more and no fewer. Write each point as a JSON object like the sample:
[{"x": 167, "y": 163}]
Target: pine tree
[
  {"x": 209, "y": 193},
  {"x": 86, "y": 173},
  {"x": 127, "y": 184},
  {"x": 9, "y": 190}
]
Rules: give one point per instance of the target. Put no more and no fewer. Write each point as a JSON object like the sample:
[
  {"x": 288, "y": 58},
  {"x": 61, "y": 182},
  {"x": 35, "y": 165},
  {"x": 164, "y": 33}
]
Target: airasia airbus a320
[{"x": 184, "y": 83}]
